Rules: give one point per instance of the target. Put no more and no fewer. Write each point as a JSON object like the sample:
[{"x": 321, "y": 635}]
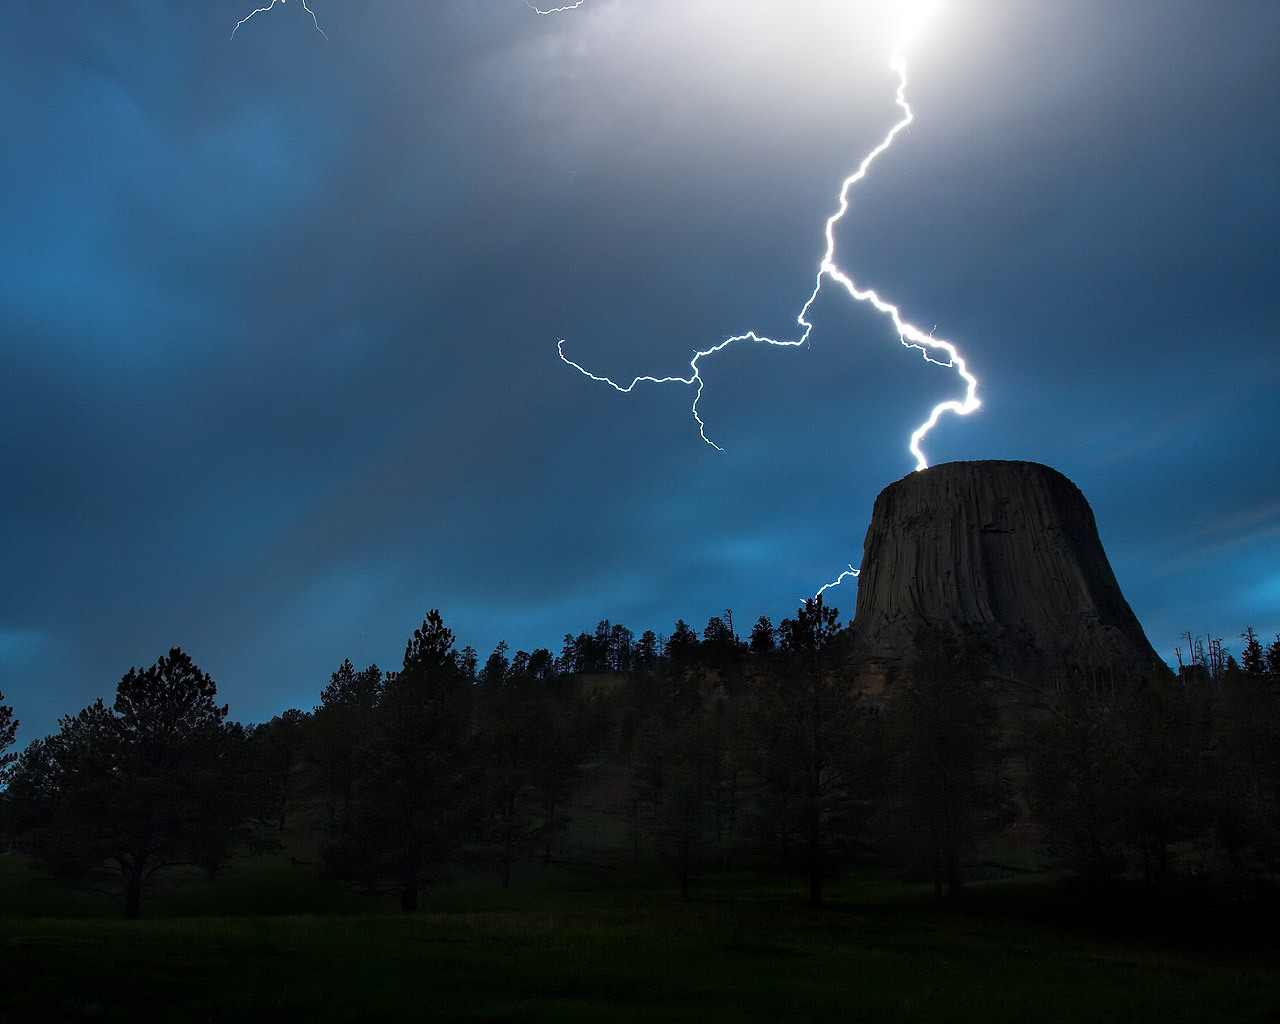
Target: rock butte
[{"x": 1005, "y": 553}]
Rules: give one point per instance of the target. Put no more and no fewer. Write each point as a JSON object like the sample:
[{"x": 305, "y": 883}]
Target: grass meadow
[{"x": 272, "y": 942}]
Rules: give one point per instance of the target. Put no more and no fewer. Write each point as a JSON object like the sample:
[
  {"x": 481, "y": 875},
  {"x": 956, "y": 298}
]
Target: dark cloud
[{"x": 278, "y": 316}]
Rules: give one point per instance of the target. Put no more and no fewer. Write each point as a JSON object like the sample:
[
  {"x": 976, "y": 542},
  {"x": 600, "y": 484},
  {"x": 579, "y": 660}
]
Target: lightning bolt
[
  {"x": 264, "y": 10},
  {"x": 850, "y": 573},
  {"x": 933, "y": 349},
  {"x": 553, "y": 10}
]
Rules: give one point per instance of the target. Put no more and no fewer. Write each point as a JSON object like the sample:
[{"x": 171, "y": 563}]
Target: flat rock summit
[{"x": 1005, "y": 553}]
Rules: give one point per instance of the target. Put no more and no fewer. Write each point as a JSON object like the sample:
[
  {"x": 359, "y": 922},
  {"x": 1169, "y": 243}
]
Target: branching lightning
[
  {"x": 933, "y": 349},
  {"x": 553, "y": 10},
  {"x": 264, "y": 10}
]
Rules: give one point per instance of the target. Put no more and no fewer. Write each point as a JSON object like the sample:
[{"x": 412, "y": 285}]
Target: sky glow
[{"x": 278, "y": 316}]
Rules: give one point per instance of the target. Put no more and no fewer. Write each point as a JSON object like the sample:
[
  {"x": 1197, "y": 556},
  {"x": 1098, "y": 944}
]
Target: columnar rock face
[{"x": 1006, "y": 553}]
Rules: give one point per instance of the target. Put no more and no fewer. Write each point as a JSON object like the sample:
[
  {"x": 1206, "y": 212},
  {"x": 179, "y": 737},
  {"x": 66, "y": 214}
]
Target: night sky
[{"x": 278, "y": 315}]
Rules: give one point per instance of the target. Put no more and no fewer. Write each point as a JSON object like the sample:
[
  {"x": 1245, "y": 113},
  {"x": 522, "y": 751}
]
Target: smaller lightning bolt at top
[
  {"x": 553, "y": 10},
  {"x": 264, "y": 10}
]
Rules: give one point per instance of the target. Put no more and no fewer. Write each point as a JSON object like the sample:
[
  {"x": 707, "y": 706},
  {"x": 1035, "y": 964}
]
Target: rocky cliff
[{"x": 1006, "y": 553}]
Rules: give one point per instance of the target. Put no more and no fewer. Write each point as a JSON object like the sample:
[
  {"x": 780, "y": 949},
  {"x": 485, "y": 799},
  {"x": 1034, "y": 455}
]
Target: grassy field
[{"x": 568, "y": 946}]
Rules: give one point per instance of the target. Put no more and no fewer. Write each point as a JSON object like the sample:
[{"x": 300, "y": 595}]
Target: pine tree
[
  {"x": 416, "y": 800},
  {"x": 945, "y": 729},
  {"x": 151, "y": 782},
  {"x": 8, "y": 734},
  {"x": 806, "y": 734}
]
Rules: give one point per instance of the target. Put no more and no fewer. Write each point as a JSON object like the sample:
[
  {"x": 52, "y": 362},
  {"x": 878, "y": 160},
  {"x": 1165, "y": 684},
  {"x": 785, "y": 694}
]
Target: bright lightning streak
[
  {"x": 935, "y": 350},
  {"x": 553, "y": 10},
  {"x": 851, "y": 573},
  {"x": 264, "y": 10}
]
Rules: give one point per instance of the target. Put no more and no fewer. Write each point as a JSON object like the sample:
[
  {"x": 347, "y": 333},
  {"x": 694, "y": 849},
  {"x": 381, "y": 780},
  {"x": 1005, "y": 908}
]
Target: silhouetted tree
[
  {"x": 682, "y": 646},
  {"x": 1245, "y": 762},
  {"x": 1077, "y": 757},
  {"x": 647, "y": 778},
  {"x": 416, "y": 801},
  {"x": 496, "y": 667},
  {"x": 945, "y": 730},
  {"x": 621, "y": 647},
  {"x": 684, "y": 788},
  {"x": 277, "y": 754},
  {"x": 8, "y": 734},
  {"x": 682, "y": 812},
  {"x": 337, "y": 729},
  {"x": 762, "y": 636},
  {"x": 528, "y": 749},
  {"x": 1163, "y": 770},
  {"x": 564, "y": 729},
  {"x": 541, "y": 664},
  {"x": 724, "y": 735},
  {"x": 608, "y": 649},
  {"x": 466, "y": 660},
  {"x": 684, "y": 673},
  {"x": 538, "y": 701},
  {"x": 1252, "y": 656},
  {"x": 806, "y": 733},
  {"x": 1272, "y": 661},
  {"x": 722, "y": 652},
  {"x": 146, "y": 784},
  {"x": 587, "y": 653},
  {"x": 31, "y": 790},
  {"x": 646, "y": 652}
]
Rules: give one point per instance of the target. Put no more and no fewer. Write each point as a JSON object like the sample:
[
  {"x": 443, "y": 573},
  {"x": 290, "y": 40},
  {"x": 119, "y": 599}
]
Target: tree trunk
[
  {"x": 133, "y": 890},
  {"x": 550, "y": 829},
  {"x": 635, "y": 830},
  {"x": 937, "y": 868},
  {"x": 815, "y": 863},
  {"x": 409, "y": 880},
  {"x": 955, "y": 877},
  {"x": 955, "y": 872}
]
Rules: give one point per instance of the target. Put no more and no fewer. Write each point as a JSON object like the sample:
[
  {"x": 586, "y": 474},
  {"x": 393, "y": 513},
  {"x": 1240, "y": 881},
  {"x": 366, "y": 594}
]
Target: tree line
[{"x": 708, "y": 751}]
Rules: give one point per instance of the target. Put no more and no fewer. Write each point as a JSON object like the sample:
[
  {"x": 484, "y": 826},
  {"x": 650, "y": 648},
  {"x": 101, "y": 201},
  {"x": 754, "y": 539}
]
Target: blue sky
[{"x": 278, "y": 315}]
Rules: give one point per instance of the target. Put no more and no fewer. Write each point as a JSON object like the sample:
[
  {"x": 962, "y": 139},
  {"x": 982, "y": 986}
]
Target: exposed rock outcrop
[{"x": 1006, "y": 553}]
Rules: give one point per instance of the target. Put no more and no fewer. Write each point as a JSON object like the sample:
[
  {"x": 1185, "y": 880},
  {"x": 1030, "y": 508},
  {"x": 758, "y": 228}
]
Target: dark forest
[{"x": 694, "y": 764}]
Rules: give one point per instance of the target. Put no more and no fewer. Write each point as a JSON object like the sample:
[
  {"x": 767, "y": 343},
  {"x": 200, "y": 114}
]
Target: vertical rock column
[{"x": 1007, "y": 553}]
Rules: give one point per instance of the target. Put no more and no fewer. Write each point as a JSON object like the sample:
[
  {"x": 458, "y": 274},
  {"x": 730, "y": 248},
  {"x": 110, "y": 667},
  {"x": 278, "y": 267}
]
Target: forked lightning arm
[
  {"x": 264, "y": 10},
  {"x": 935, "y": 350},
  {"x": 553, "y": 10},
  {"x": 850, "y": 573}
]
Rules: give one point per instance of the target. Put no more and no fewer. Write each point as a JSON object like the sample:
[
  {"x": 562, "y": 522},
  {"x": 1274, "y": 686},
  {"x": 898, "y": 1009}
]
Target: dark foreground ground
[{"x": 605, "y": 946}]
